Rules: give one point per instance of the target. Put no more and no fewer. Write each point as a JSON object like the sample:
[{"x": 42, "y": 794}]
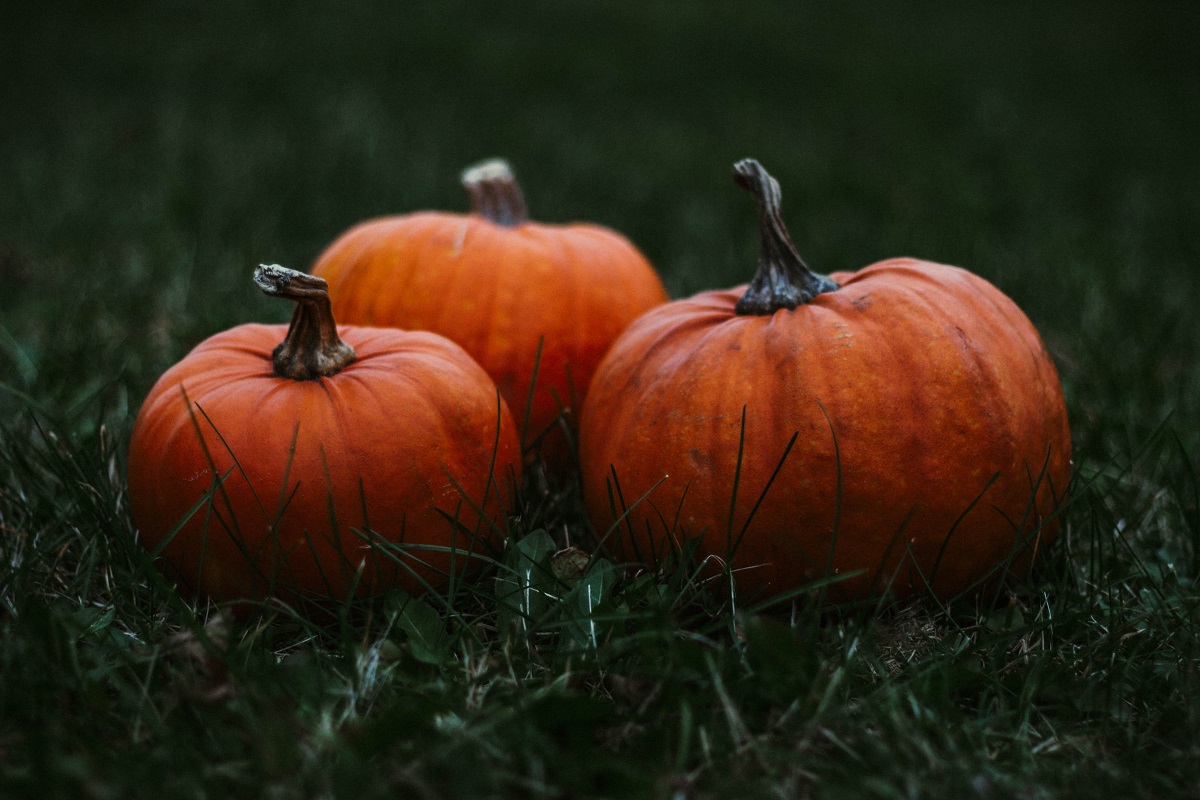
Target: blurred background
[{"x": 152, "y": 153}]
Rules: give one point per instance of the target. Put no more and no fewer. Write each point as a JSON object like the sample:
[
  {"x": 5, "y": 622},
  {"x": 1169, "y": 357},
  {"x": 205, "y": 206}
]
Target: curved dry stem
[
  {"x": 495, "y": 193},
  {"x": 312, "y": 348},
  {"x": 783, "y": 280}
]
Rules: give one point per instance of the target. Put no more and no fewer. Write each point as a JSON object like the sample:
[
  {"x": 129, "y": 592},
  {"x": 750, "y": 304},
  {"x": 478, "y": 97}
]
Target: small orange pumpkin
[
  {"x": 502, "y": 287},
  {"x": 902, "y": 425},
  {"x": 338, "y": 459}
]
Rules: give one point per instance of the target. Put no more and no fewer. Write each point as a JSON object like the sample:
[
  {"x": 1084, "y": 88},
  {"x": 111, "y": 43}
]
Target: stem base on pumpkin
[
  {"x": 312, "y": 348},
  {"x": 783, "y": 280}
]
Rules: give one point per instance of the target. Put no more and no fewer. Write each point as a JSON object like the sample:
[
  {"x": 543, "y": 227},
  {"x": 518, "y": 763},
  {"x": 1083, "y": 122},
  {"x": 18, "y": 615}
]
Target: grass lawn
[{"x": 152, "y": 154}]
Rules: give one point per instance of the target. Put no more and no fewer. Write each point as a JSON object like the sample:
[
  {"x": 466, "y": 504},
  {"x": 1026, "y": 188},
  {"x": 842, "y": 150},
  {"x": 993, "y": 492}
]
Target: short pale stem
[
  {"x": 783, "y": 280},
  {"x": 312, "y": 348},
  {"x": 495, "y": 193}
]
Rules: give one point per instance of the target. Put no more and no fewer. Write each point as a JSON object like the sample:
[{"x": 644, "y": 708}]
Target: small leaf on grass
[
  {"x": 537, "y": 547},
  {"x": 525, "y": 585},
  {"x": 592, "y": 597},
  {"x": 596, "y": 586},
  {"x": 425, "y": 629}
]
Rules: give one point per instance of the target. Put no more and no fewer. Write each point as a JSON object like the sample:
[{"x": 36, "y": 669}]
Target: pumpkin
[
  {"x": 520, "y": 296},
  {"x": 310, "y": 461},
  {"x": 897, "y": 427}
]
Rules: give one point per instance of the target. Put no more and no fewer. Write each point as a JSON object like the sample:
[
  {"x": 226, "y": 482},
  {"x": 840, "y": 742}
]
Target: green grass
[{"x": 150, "y": 155}]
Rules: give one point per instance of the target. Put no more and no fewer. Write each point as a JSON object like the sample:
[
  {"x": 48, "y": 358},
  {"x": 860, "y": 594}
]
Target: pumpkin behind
[{"x": 502, "y": 287}]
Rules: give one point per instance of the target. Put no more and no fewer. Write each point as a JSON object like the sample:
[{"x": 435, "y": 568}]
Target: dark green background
[{"x": 150, "y": 154}]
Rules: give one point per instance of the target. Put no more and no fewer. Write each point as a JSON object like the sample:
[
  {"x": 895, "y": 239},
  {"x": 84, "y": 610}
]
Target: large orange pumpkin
[
  {"x": 259, "y": 466},
  {"x": 901, "y": 425},
  {"x": 502, "y": 287}
]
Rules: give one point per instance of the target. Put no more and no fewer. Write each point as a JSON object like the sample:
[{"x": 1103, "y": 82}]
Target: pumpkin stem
[
  {"x": 312, "y": 348},
  {"x": 494, "y": 192},
  {"x": 783, "y": 280}
]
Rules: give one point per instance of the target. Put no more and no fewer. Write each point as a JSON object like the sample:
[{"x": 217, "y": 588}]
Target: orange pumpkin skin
[
  {"x": 392, "y": 443},
  {"x": 498, "y": 290},
  {"x": 914, "y": 385}
]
